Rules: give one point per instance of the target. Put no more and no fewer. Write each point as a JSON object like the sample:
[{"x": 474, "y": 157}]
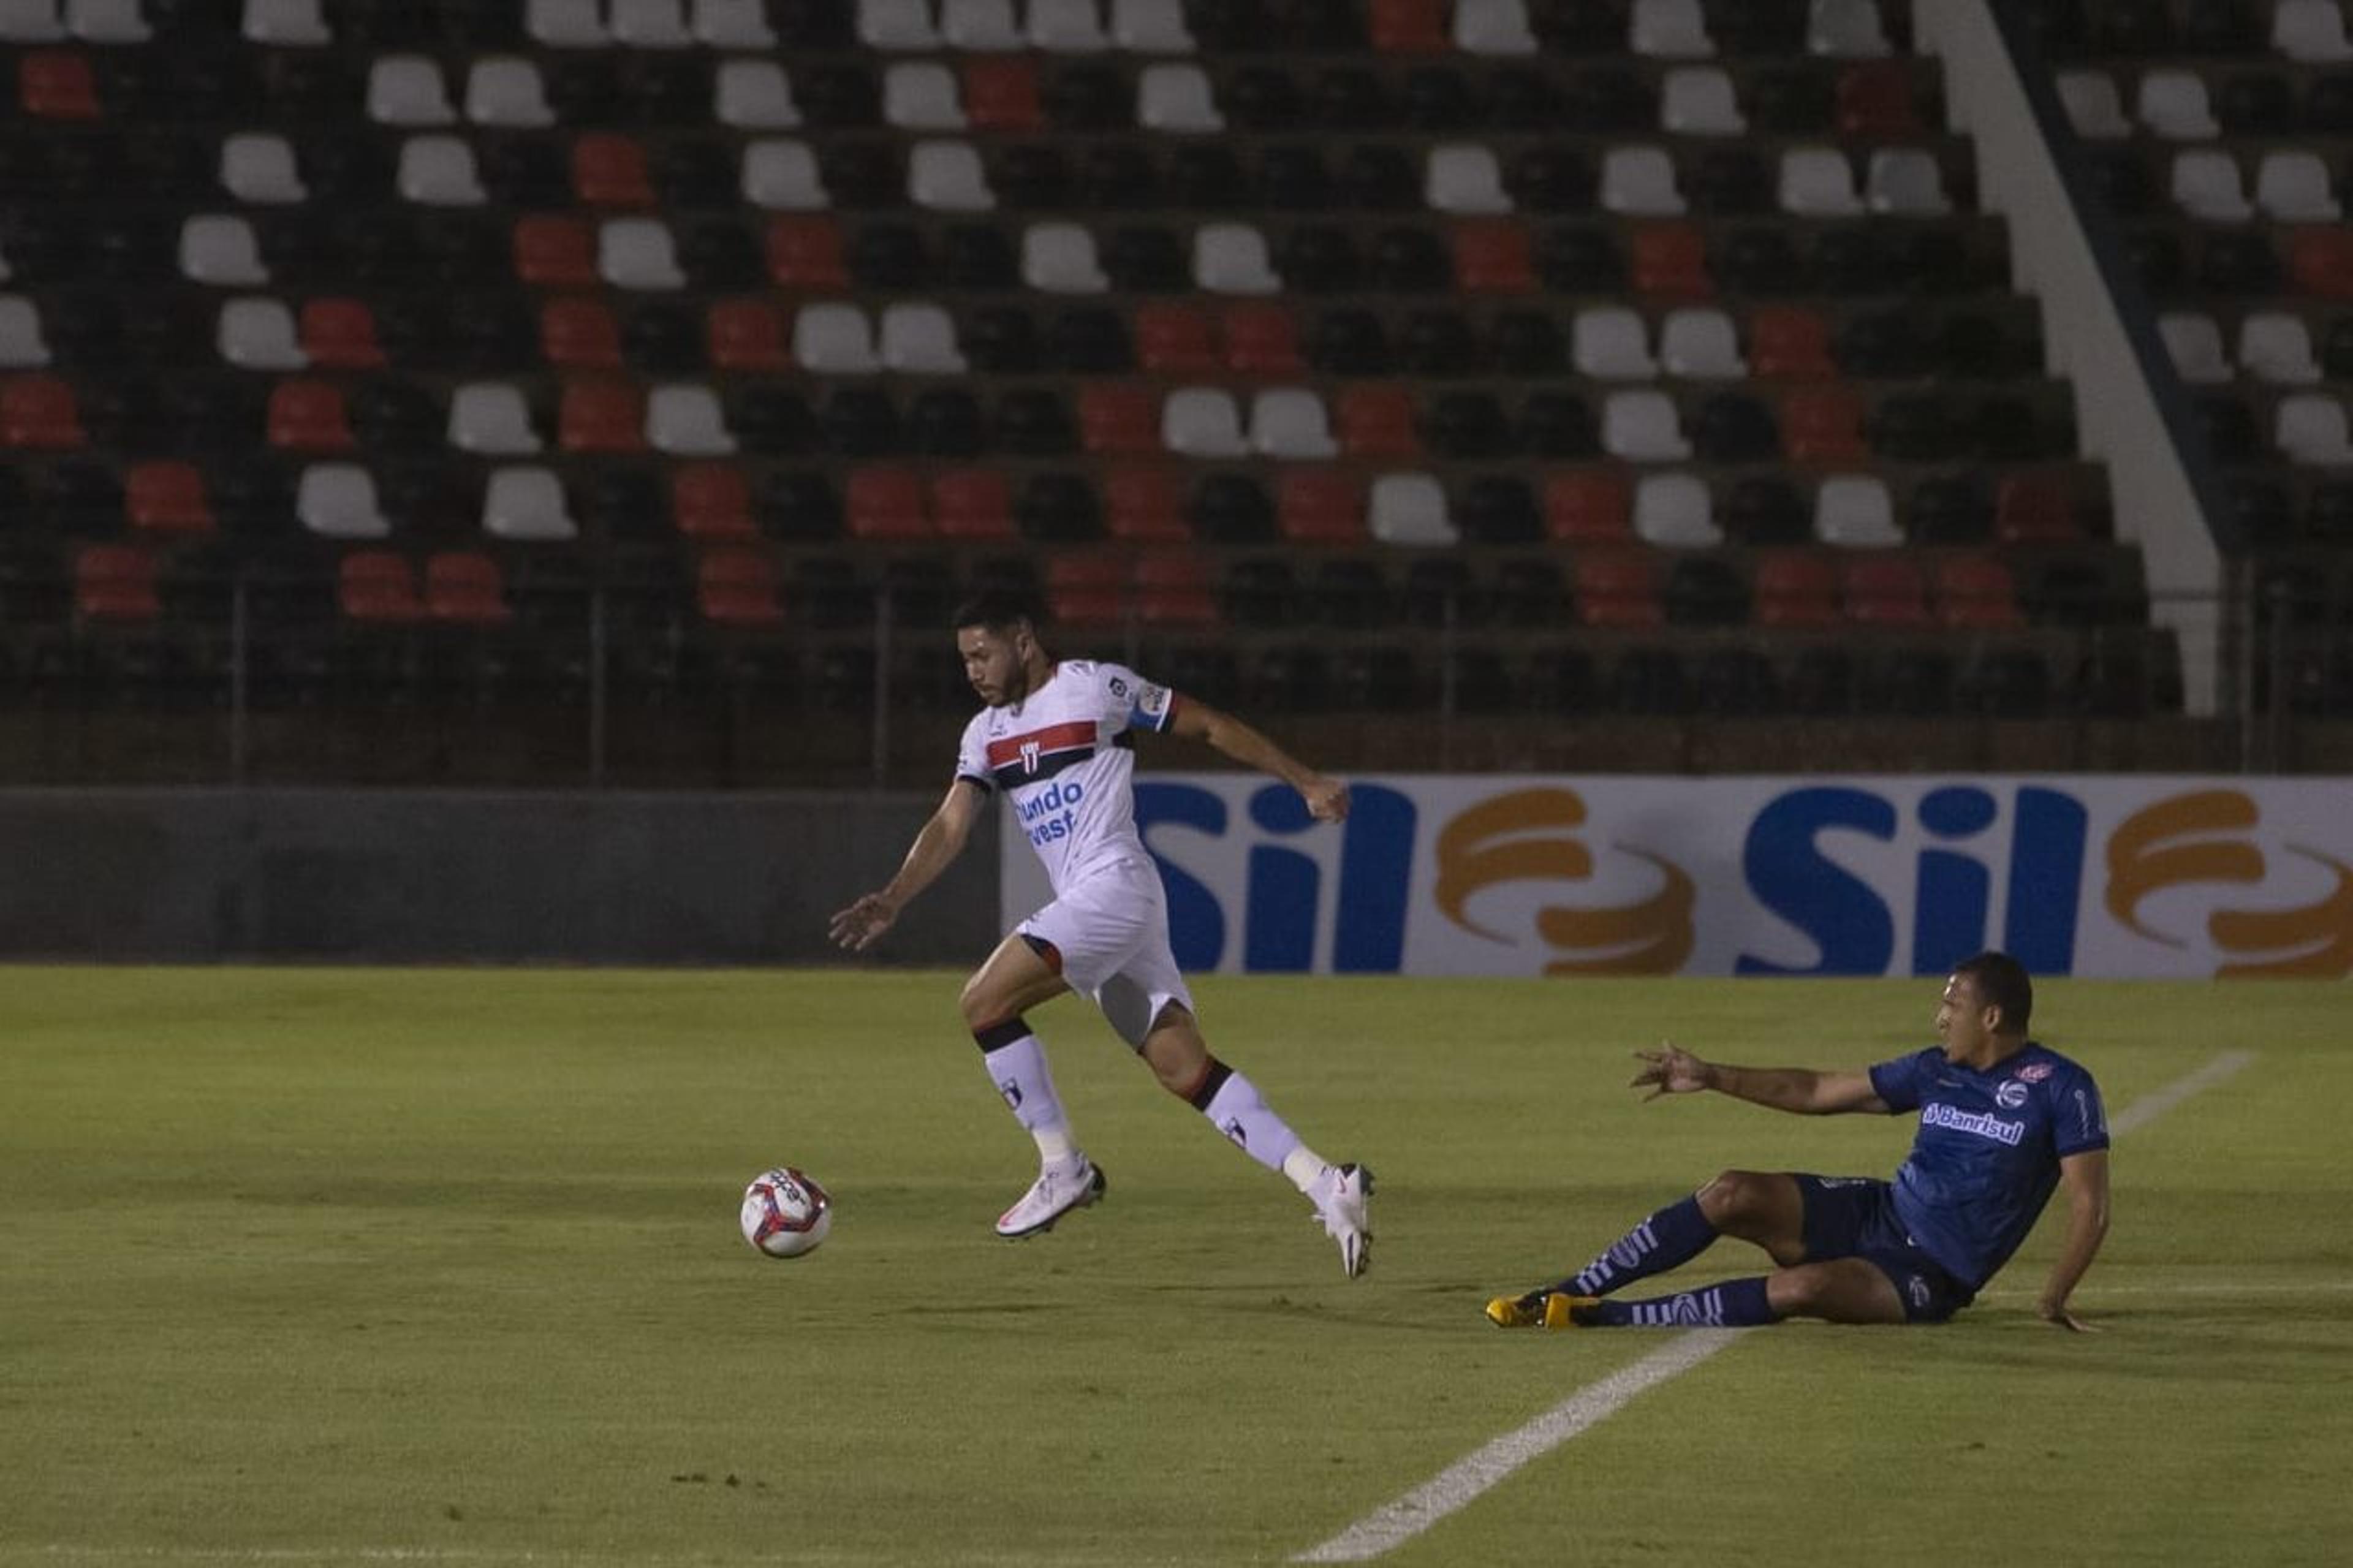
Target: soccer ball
[{"x": 784, "y": 1213}]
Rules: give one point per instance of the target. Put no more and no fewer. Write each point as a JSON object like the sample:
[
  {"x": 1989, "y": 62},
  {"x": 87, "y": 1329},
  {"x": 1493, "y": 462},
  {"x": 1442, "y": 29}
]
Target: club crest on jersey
[
  {"x": 1029, "y": 750},
  {"x": 2010, "y": 1095},
  {"x": 2034, "y": 1072}
]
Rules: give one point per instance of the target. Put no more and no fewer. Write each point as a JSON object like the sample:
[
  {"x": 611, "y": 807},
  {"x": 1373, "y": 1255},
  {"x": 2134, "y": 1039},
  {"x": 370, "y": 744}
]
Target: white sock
[
  {"x": 1307, "y": 1169},
  {"x": 1235, "y": 1108},
  {"x": 1018, "y": 1070}
]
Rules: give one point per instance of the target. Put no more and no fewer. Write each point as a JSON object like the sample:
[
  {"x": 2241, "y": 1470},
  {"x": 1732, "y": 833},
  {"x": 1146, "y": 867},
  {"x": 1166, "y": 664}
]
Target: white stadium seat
[
  {"x": 1818, "y": 182},
  {"x": 491, "y": 418},
  {"x": 1463, "y": 177},
  {"x": 1290, "y": 423},
  {"x": 2291, "y": 184},
  {"x": 1409, "y": 510},
  {"x": 1176, "y": 96},
  {"x": 783, "y": 176},
  {"x": 981, "y": 26},
  {"x": 31, "y": 22},
  {"x": 919, "y": 338},
  {"x": 684, "y": 419},
  {"x": 1059, "y": 259},
  {"x": 257, "y": 168},
  {"x": 1854, "y": 511},
  {"x": 2277, "y": 347},
  {"x": 108, "y": 22},
  {"x": 565, "y": 24},
  {"x": 23, "y": 346},
  {"x": 753, "y": 95},
  {"x": 1675, "y": 511},
  {"x": 2174, "y": 105},
  {"x": 650, "y": 24},
  {"x": 1698, "y": 343},
  {"x": 2311, "y": 31},
  {"x": 834, "y": 339},
  {"x": 258, "y": 334},
  {"x": 1494, "y": 28},
  {"x": 1066, "y": 26},
  {"x": 1642, "y": 426},
  {"x": 1150, "y": 27},
  {"x": 2194, "y": 344},
  {"x": 2206, "y": 186},
  {"x": 947, "y": 176},
  {"x": 901, "y": 25},
  {"x": 2094, "y": 106},
  {"x": 2310, "y": 426},
  {"x": 527, "y": 504},
  {"x": 637, "y": 253},
  {"x": 922, "y": 95},
  {"x": 733, "y": 25},
  {"x": 338, "y": 500},
  {"x": 1612, "y": 342},
  {"x": 220, "y": 250},
  {"x": 1698, "y": 100},
  {"x": 1846, "y": 30},
  {"x": 438, "y": 170},
  {"x": 1641, "y": 181},
  {"x": 1231, "y": 258},
  {"x": 406, "y": 90},
  {"x": 1668, "y": 29},
  {"x": 506, "y": 90},
  {"x": 1906, "y": 182},
  {"x": 286, "y": 23},
  {"x": 1202, "y": 422}
]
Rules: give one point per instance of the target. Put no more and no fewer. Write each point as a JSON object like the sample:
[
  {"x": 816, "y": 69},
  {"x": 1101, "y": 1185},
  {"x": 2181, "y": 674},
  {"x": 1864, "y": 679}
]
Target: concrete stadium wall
[{"x": 421, "y": 877}]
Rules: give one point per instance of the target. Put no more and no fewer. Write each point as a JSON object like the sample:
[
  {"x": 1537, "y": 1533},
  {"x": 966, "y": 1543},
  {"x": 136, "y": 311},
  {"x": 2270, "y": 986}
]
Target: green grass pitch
[{"x": 435, "y": 1266}]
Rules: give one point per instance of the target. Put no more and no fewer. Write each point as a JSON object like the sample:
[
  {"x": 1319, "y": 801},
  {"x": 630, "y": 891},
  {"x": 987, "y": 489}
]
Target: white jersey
[{"x": 1065, "y": 756}]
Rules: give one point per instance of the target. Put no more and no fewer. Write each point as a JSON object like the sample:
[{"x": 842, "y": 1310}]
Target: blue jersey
[{"x": 1988, "y": 1151}]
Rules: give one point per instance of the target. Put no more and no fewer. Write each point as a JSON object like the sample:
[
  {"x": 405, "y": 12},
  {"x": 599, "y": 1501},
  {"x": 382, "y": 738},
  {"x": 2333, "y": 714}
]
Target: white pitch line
[
  {"x": 2149, "y": 1107},
  {"x": 1459, "y": 1483},
  {"x": 1464, "y": 1479}
]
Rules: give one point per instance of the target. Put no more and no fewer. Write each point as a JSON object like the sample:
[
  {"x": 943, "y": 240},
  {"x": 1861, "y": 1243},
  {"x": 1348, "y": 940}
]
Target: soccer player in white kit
[{"x": 1057, "y": 736}]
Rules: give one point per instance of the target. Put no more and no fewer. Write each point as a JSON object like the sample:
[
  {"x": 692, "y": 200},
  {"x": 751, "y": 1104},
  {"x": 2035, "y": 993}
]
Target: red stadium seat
[
  {"x": 1494, "y": 256},
  {"x": 1262, "y": 340},
  {"x": 1796, "y": 589},
  {"x": 887, "y": 503},
  {"x": 737, "y": 588},
  {"x": 1823, "y": 425},
  {"x": 115, "y": 583},
  {"x": 974, "y": 505},
  {"x": 1976, "y": 591},
  {"x": 1875, "y": 100},
  {"x": 1116, "y": 419},
  {"x": 746, "y": 334},
  {"x": 601, "y": 415},
  {"x": 712, "y": 502},
  {"x": 2321, "y": 261},
  {"x": 806, "y": 253},
  {"x": 39, "y": 411},
  {"x": 464, "y": 587},
  {"x": 1618, "y": 588},
  {"x": 555, "y": 252},
  {"x": 1670, "y": 262},
  {"x": 55, "y": 84},
  {"x": 340, "y": 334},
  {"x": 1320, "y": 506},
  {"x": 1588, "y": 506},
  {"x": 166, "y": 498},
  {"x": 308, "y": 415},
  {"x": 1175, "y": 339},
  {"x": 1411, "y": 28},
  {"x": 2035, "y": 508},
  {"x": 377, "y": 585},
  {"x": 1790, "y": 343},
  {"x": 1000, "y": 93},
  {"x": 578, "y": 333},
  {"x": 1085, "y": 591},
  {"x": 1376, "y": 420},
  {"x": 608, "y": 170},
  {"x": 1144, "y": 506},
  {"x": 1885, "y": 590},
  {"x": 1175, "y": 588}
]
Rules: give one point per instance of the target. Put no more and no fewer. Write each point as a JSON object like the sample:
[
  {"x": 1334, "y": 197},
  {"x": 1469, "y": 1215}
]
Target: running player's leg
[
  {"x": 1172, "y": 1047},
  {"x": 1024, "y": 971}
]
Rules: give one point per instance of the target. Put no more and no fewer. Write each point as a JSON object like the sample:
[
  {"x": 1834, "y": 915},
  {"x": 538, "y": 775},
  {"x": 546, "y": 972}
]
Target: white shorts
[{"x": 1112, "y": 930}]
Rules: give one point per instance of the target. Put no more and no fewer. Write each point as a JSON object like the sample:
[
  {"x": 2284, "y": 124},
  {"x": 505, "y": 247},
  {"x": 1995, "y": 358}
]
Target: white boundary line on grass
[{"x": 1394, "y": 1523}]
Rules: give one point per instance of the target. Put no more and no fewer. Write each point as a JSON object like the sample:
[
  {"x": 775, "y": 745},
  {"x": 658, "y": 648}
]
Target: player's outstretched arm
[
  {"x": 2084, "y": 1178},
  {"x": 1802, "y": 1091},
  {"x": 937, "y": 844},
  {"x": 1327, "y": 798}
]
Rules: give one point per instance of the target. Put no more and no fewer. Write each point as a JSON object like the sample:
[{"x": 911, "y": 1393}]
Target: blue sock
[
  {"x": 1734, "y": 1304},
  {"x": 1672, "y": 1237}
]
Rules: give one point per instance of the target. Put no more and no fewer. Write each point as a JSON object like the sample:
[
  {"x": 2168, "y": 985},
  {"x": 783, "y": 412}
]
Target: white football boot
[
  {"x": 1341, "y": 1199},
  {"x": 1060, "y": 1188}
]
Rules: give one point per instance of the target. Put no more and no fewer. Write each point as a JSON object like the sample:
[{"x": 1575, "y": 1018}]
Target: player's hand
[
  {"x": 856, "y": 927},
  {"x": 2057, "y": 1315},
  {"x": 1670, "y": 1069},
  {"x": 1327, "y": 799}
]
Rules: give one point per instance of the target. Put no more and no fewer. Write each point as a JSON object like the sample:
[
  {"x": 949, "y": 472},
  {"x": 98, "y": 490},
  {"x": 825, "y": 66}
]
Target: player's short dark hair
[
  {"x": 2001, "y": 982},
  {"x": 997, "y": 609}
]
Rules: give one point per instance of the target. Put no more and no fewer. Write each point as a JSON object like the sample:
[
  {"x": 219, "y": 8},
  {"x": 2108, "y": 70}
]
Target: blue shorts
[{"x": 1854, "y": 1216}]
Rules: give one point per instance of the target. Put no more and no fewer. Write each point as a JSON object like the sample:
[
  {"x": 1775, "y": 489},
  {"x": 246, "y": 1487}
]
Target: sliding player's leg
[{"x": 1766, "y": 1207}]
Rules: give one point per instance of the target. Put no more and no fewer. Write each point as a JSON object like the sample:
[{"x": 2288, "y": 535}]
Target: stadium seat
[
  {"x": 753, "y": 95},
  {"x": 711, "y": 503},
  {"x": 1618, "y": 588},
  {"x": 638, "y": 254},
  {"x": 166, "y": 498},
  {"x": 307, "y": 415},
  {"x": 1409, "y": 508},
  {"x": 1855, "y": 511},
  {"x": 887, "y": 504},
  {"x": 465, "y": 587},
  {"x": 440, "y": 172},
  {"x": 2195, "y": 345},
  {"x": 2311, "y": 428},
  {"x": 22, "y": 344},
  {"x": 2310, "y": 32},
  {"x": 2172, "y": 104},
  {"x": 1697, "y": 100},
  {"x": 1795, "y": 590},
  {"x": 1409, "y": 27},
  {"x": 1675, "y": 511},
  {"x": 552, "y": 251},
  {"x": 2094, "y": 106},
  {"x": 1231, "y": 258},
  {"x": 1822, "y": 425},
  {"x": 1643, "y": 426},
  {"x": 1085, "y": 591},
  {"x": 2206, "y": 186},
  {"x": 1175, "y": 588},
  {"x": 257, "y": 333},
  {"x": 1818, "y": 182},
  {"x": 378, "y": 586},
  {"x": 507, "y": 92},
  {"x": 491, "y": 419},
  {"x": 1640, "y": 182},
  {"x": 1670, "y": 262},
  {"x": 1059, "y": 259},
  {"x": 1700, "y": 344},
  {"x": 54, "y": 84},
  {"x": 220, "y": 250},
  {"x": 1884, "y": 589},
  {"x": 1150, "y": 27},
  {"x": 1142, "y": 506},
  {"x": 1377, "y": 422},
  {"x": 340, "y": 334},
  {"x": 1117, "y": 419},
  {"x": 1493, "y": 257},
  {"x": 684, "y": 419},
  {"x": 258, "y": 169},
  {"x": 1790, "y": 344},
  {"x": 2293, "y": 186},
  {"x": 1845, "y": 29},
  {"x": 972, "y": 505},
  {"x": 598, "y": 416},
  {"x": 2276, "y": 348},
  {"x": 1975, "y": 592},
  {"x": 338, "y": 500},
  {"x": 408, "y": 90},
  {"x": 565, "y": 24},
  {"x": 1320, "y": 506},
  {"x": 737, "y": 588},
  {"x": 1610, "y": 342},
  {"x": 1202, "y": 422},
  {"x": 527, "y": 505},
  {"x": 1668, "y": 29},
  {"x": 578, "y": 333},
  {"x": 1289, "y": 423}
]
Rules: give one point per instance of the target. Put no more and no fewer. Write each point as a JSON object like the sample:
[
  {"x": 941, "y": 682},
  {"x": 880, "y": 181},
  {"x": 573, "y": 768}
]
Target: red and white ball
[{"x": 784, "y": 1213}]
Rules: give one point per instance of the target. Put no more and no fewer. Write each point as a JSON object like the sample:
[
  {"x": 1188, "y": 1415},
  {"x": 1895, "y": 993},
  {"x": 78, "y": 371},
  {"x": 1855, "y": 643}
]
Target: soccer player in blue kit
[{"x": 2003, "y": 1123}]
